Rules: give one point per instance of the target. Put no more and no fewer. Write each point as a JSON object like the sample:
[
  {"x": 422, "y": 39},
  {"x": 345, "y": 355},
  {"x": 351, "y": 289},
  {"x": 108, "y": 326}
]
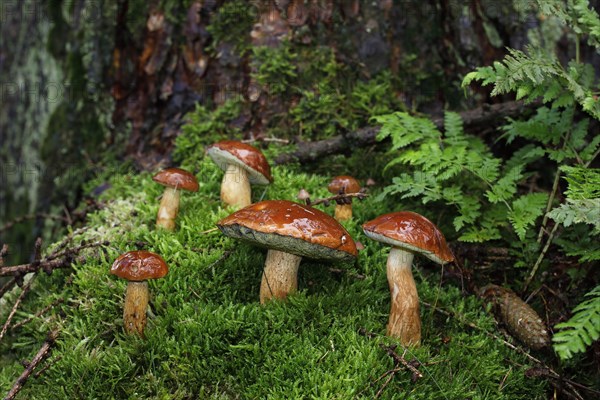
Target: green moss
[
  {"x": 276, "y": 69},
  {"x": 207, "y": 335},
  {"x": 232, "y": 24},
  {"x": 205, "y": 127}
]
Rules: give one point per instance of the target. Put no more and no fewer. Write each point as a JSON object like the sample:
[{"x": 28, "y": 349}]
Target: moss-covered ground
[{"x": 208, "y": 336}]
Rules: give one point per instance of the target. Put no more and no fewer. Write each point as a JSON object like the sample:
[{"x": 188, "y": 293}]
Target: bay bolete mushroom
[
  {"x": 343, "y": 184},
  {"x": 290, "y": 231},
  {"x": 175, "y": 180},
  {"x": 408, "y": 233},
  {"x": 243, "y": 165},
  {"x": 137, "y": 267}
]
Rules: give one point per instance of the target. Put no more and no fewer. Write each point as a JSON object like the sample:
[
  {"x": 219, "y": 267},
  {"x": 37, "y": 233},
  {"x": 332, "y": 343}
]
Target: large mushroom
[
  {"x": 243, "y": 165},
  {"x": 137, "y": 267},
  {"x": 343, "y": 184},
  {"x": 290, "y": 231},
  {"x": 408, "y": 233},
  {"x": 175, "y": 180}
]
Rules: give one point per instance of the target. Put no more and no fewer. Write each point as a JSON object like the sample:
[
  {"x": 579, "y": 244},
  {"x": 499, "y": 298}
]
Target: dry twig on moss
[{"x": 41, "y": 355}]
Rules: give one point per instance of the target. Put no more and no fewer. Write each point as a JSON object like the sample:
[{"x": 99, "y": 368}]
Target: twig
[
  {"x": 267, "y": 139},
  {"x": 342, "y": 198},
  {"x": 24, "y": 292},
  {"x": 8, "y": 286},
  {"x": 390, "y": 375},
  {"x": 37, "y": 314},
  {"x": 48, "y": 266},
  {"x": 391, "y": 351},
  {"x": 3, "y": 254},
  {"x": 549, "y": 206},
  {"x": 42, "y": 354},
  {"x": 541, "y": 257}
]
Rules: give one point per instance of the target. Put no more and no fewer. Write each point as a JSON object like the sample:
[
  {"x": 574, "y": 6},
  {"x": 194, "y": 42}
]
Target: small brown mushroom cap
[
  {"x": 410, "y": 231},
  {"x": 177, "y": 178},
  {"x": 139, "y": 266},
  {"x": 344, "y": 184},
  {"x": 292, "y": 228},
  {"x": 243, "y": 155}
]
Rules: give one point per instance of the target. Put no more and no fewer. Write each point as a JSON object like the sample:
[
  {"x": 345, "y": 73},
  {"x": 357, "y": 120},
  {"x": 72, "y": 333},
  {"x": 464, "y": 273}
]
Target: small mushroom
[
  {"x": 343, "y": 184},
  {"x": 137, "y": 267},
  {"x": 408, "y": 233},
  {"x": 290, "y": 231},
  {"x": 175, "y": 180},
  {"x": 243, "y": 165}
]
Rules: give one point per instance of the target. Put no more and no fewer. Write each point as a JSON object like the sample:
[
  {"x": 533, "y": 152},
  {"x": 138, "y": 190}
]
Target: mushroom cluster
[{"x": 289, "y": 231}]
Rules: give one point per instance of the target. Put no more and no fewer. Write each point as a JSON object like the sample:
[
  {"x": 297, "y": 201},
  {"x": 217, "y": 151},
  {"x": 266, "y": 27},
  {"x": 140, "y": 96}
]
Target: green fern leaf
[
  {"x": 525, "y": 210},
  {"x": 581, "y": 330}
]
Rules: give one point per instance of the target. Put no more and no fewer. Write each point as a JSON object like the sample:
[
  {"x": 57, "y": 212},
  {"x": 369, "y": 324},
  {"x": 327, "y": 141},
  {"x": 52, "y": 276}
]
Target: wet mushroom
[
  {"x": 137, "y": 267},
  {"x": 408, "y": 233},
  {"x": 243, "y": 165},
  {"x": 343, "y": 184},
  {"x": 290, "y": 231},
  {"x": 175, "y": 180}
]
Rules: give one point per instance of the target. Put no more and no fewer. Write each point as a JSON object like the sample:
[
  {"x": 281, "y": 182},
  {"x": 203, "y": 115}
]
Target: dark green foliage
[
  {"x": 232, "y": 24},
  {"x": 458, "y": 170},
  {"x": 581, "y": 329}
]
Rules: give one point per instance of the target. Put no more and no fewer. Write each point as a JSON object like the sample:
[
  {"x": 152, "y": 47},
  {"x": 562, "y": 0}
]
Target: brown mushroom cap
[
  {"x": 410, "y": 231},
  {"x": 344, "y": 184},
  {"x": 139, "y": 266},
  {"x": 243, "y": 155},
  {"x": 292, "y": 228},
  {"x": 177, "y": 178}
]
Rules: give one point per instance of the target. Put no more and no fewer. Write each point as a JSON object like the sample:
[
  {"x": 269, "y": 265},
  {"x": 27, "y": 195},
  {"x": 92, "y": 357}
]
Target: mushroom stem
[
  {"x": 280, "y": 275},
  {"x": 343, "y": 212},
  {"x": 404, "y": 322},
  {"x": 168, "y": 209},
  {"x": 134, "y": 310},
  {"x": 235, "y": 187}
]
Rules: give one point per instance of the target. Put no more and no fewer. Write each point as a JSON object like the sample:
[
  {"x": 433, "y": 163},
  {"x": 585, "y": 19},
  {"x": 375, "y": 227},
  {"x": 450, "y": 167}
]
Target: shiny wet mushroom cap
[
  {"x": 290, "y": 231},
  {"x": 243, "y": 165},
  {"x": 177, "y": 178},
  {"x": 411, "y": 231},
  {"x": 291, "y": 227},
  {"x": 139, "y": 266}
]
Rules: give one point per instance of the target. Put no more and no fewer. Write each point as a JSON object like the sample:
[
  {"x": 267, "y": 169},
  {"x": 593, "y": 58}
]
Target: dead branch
[
  {"x": 37, "y": 314},
  {"x": 15, "y": 306},
  {"x": 62, "y": 259},
  {"x": 342, "y": 198},
  {"x": 41, "y": 355},
  {"x": 308, "y": 152},
  {"x": 399, "y": 359}
]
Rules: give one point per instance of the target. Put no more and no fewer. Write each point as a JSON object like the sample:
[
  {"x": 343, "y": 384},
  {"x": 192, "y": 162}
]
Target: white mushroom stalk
[{"x": 280, "y": 275}]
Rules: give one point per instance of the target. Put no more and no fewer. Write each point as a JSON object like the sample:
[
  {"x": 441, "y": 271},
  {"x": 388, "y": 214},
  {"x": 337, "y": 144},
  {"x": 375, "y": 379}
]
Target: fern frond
[
  {"x": 525, "y": 210},
  {"x": 581, "y": 330}
]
